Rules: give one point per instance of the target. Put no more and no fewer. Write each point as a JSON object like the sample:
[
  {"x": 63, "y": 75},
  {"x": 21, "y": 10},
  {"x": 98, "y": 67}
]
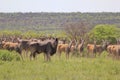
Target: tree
[
  {"x": 104, "y": 32},
  {"x": 76, "y": 30}
]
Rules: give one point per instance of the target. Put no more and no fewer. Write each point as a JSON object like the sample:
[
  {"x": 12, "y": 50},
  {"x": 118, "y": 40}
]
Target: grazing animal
[
  {"x": 61, "y": 48},
  {"x": 66, "y": 48},
  {"x": 48, "y": 47},
  {"x": 94, "y": 48},
  {"x": 24, "y": 45},
  {"x": 12, "y": 47},
  {"x": 114, "y": 50},
  {"x": 91, "y": 48},
  {"x": 102, "y": 47},
  {"x": 70, "y": 48},
  {"x": 109, "y": 49},
  {"x": 80, "y": 47}
]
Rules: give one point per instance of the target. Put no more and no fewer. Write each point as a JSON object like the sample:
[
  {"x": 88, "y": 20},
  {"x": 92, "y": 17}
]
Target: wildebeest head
[{"x": 54, "y": 43}]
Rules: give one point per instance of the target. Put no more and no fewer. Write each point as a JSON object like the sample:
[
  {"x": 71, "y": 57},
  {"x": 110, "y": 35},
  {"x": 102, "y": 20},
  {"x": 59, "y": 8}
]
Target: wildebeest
[
  {"x": 24, "y": 45},
  {"x": 48, "y": 47}
]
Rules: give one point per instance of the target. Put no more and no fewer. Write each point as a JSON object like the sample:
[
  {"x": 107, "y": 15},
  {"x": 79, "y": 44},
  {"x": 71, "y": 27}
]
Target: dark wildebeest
[
  {"x": 48, "y": 47},
  {"x": 24, "y": 45}
]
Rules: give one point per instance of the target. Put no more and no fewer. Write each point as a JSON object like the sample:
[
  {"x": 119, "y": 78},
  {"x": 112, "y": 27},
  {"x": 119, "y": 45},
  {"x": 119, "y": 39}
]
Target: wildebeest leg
[
  {"x": 48, "y": 57},
  {"x": 18, "y": 50},
  {"x": 33, "y": 54},
  {"x": 44, "y": 56},
  {"x": 26, "y": 53}
]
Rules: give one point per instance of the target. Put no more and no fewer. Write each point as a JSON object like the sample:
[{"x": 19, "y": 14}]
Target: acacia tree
[{"x": 76, "y": 30}]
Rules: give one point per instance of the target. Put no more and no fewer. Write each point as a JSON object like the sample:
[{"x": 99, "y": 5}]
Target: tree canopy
[{"x": 104, "y": 32}]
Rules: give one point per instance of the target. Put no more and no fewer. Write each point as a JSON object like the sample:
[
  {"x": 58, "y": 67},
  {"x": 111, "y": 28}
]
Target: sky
[{"x": 59, "y": 5}]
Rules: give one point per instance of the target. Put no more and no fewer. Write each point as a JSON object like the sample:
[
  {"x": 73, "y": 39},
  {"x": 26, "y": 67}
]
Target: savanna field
[
  {"x": 81, "y": 32},
  {"x": 75, "y": 68}
]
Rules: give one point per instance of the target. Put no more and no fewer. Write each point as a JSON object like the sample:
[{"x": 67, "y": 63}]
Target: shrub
[{"x": 9, "y": 56}]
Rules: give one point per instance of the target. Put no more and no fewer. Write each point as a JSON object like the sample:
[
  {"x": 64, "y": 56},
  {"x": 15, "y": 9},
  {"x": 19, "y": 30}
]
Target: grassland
[{"x": 76, "y": 68}]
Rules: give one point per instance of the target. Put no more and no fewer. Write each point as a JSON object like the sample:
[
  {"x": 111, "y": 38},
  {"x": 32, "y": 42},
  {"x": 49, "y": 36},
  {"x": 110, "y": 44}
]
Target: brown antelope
[
  {"x": 114, "y": 50},
  {"x": 91, "y": 48},
  {"x": 81, "y": 47},
  {"x": 97, "y": 48},
  {"x": 70, "y": 48},
  {"x": 61, "y": 48},
  {"x": 78, "y": 47},
  {"x": 109, "y": 49},
  {"x": 66, "y": 48}
]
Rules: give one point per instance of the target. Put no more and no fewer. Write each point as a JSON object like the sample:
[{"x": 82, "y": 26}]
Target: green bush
[
  {"x": 9, "y": 56},
  {"x": 104, "y": 32}
]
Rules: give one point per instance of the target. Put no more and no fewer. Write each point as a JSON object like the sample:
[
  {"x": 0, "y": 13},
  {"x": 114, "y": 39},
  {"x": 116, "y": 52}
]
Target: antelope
[
  {"x": 81, "y": 47},
  {"x": 114, "y": 50},
  {"x": 66, "y": 48},
  {"x": 91, "y": 48}
]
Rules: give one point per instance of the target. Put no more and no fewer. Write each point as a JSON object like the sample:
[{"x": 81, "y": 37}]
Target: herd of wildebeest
[{"x": 49, "y": 46}]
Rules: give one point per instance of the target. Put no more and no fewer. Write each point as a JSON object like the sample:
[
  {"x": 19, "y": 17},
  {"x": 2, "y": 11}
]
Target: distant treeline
[{"x": 54, "y": 21}]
